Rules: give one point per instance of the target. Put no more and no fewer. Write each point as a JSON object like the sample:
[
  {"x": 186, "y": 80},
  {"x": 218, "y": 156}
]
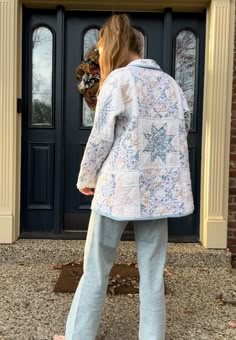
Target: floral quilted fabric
[{"x": 136, "y": 157}]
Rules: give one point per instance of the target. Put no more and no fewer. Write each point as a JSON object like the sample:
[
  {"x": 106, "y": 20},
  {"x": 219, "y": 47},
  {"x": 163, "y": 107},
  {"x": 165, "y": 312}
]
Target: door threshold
[{"x": 81, "y": 235}]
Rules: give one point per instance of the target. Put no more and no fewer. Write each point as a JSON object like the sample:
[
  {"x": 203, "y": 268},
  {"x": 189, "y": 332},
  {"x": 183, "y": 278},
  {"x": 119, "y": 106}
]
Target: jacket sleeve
[{"x": 109, "y": 106}]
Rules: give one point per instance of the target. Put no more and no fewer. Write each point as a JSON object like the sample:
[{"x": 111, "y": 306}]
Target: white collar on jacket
[{"x": 145, "y": 63}]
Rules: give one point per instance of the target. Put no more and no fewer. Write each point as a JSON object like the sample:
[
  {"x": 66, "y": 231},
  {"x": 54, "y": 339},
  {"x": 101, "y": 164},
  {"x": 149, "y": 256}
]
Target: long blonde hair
[{"x": 117, "y": 38}]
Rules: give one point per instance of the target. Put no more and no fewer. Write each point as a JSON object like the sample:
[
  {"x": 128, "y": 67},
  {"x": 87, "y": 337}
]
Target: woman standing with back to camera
[{"x": 136, "y": 159}]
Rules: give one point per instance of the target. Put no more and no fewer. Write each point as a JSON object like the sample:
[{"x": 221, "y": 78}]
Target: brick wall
[{"x": 232, "y": 171}]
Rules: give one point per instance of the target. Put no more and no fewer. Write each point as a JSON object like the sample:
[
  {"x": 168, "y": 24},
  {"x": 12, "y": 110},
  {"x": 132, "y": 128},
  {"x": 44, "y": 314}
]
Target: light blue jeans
[{"x": 100, "y": 250}]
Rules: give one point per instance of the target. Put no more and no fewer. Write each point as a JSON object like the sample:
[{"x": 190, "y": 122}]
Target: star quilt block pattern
[{"x": 159, "y": 143}]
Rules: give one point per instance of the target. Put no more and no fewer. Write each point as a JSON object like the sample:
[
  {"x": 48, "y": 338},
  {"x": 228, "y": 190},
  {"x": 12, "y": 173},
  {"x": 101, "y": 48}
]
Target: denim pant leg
[
  {"x": 100, "y": 249},
  {"x": 151, "y": 239}
]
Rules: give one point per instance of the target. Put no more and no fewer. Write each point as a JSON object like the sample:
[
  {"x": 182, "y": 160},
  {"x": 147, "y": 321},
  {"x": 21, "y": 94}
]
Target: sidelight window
[
  {"x": 185, "y": 65},
  {"x": 42, "y": 68}
]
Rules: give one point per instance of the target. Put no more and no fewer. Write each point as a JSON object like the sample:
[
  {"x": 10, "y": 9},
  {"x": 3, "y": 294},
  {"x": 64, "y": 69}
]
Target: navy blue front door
[{"x": 57, "y": 121}]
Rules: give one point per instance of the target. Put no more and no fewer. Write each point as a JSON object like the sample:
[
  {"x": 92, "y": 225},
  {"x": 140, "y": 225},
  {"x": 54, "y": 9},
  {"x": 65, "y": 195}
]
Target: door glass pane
[
  {"x": 42, "y": 42},
  {"x": 185, "y": 65},
  {"x": 143, "y": 54},
  {"x": 90, "y": 40}
]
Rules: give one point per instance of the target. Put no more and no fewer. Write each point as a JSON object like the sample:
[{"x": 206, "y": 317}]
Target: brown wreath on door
[{"x": 88, "y": 76}]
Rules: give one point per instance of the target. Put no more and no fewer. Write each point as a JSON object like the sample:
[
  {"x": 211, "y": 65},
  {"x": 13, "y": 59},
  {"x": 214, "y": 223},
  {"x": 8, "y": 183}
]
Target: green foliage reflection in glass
[{"x": 42, "y": 42}]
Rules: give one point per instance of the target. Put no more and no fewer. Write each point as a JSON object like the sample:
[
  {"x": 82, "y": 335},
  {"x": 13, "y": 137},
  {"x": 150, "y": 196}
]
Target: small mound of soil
[{"x": 123, "y": 279}]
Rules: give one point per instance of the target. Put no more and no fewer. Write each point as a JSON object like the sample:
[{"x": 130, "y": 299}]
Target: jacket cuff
[{"x": 84, "y": 182}]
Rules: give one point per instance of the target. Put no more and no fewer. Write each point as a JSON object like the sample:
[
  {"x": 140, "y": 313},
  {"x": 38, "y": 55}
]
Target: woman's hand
[{"x": 87, "y": 191}]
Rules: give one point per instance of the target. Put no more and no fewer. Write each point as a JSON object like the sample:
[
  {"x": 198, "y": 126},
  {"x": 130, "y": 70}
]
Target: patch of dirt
[{"x": 123, "y": 279}]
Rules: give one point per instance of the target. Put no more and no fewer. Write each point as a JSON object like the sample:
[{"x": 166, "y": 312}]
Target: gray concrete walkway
[{"x": 195, "y": 277}]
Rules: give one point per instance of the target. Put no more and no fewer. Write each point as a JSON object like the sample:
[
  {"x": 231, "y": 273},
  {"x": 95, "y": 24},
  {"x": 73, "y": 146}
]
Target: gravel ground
[{"x": 195, "y": 277}]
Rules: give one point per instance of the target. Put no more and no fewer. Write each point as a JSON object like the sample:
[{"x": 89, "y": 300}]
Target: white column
[
  {"x": 9, "y": 121},
  {"x": 216, "y": 123}
]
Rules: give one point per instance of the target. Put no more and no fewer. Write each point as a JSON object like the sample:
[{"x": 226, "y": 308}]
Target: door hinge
[{"x": 19, "y": 105}]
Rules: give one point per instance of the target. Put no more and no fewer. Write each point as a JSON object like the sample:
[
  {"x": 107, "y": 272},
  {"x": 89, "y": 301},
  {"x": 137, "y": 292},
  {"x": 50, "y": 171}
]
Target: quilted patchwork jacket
[{"x": 136, "y": 157}]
